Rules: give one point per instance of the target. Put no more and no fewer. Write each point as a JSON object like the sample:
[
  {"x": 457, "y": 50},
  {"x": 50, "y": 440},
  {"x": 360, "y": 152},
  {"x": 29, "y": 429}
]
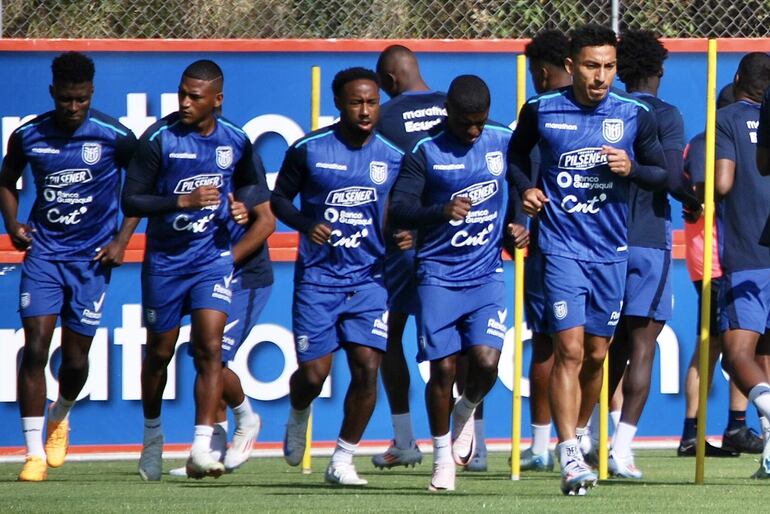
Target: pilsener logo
[
  {"x": 66, "y": 178},
  {"x": 351, "y": 196},
  {"x": 188, "y": 185},
  {"x": 479, "y": 193},
  {"x": 583, "y": 159}
]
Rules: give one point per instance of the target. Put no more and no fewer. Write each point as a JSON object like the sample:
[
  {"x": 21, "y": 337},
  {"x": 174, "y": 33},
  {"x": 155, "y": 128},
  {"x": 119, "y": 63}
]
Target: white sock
[
  {"x": 765, "y": 424},
  {"x": 593, "y": 423},
  {"x": 219, "y": 440},
  {"x": 481, "y": 441},
  {"x": 464, "y": 408},
  {"x": 760, "y": 396},
  {"x": 621, "y": 442},
  {"x": 343, "y": 452},
  {"x": 243, "y": 413},
  {"x": 541, "y": 436},
  {"x": 202, "y": 440},
  {"x": 402, "y": 430},
  {"x": 152, "y": 428},
  {"x": 615, "y": 417},
  {"x": 568, "y": 450},
  {"x": 442, "y": 449},
  {"x": 299, "y": 416},
  {"x": 32, "y": 428},
  {"x": 60, "y": 409}
]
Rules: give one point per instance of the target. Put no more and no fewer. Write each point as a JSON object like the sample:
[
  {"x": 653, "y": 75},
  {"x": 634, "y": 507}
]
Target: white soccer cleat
[
  {"x": 589, "y": 449},
  {"x": 343, "y": 474},
  {"x": 243, "y": 443},
  {"x": 178, "y": 472},
  {"x": 151, "y": 460},
  {"x": 395, "y": 456},
  {"x": 294, "y": 440},
  {"x": 763, "y": 473},
  {"x": 463, "y": 438},
  {"x": 478, "y": 462},
  {"x": 443, "y": 478},
  {"x": 535, "y": 462},
  {"x": 623, "y": 468},
  {"x": 202, "y": 464},
  {"x": 577, "y": 478}
]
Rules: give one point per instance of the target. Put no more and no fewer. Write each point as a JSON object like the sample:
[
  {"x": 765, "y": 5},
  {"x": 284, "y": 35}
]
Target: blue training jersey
[
  {"x": 587, "y": 215},
  {"x": 347, "y": 188},
  {"x": 439, "y": 169},
  {"x": 408, "y": 117},
  {"x": 763, "y": 131},
  {"x": 77, "y": 182},
  {"x": 744, "y": 210},
  {"x": 175, "y": 160}
]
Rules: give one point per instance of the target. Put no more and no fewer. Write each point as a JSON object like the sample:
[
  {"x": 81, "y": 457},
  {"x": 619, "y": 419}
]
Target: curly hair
[
  {"x": 72, "y": 68},
  {"x": 640, "y": 56},
  {"x": 351, "y": 74},
  {"x": 548, "y": 46}
]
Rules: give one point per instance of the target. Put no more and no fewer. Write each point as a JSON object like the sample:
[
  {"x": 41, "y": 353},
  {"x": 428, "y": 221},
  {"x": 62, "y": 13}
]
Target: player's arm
[
  {"x": 256, "y": 198},
  {"x": 672, "y": 141},
  {"x": 519, "y": 176},
  {"x": 649, "y": 166},
  {"x": 763, "y": 136},
  {"x": 13, "y": 166},
  {"x": 725, "y": 156}
]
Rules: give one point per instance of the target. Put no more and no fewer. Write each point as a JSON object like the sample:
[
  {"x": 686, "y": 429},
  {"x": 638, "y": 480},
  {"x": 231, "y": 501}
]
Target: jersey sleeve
[
  {"x": 15, "y": 159},
  {"x": 258, "y": 193},
  {"x": 139, "y": 198},
  {"x": 407, "y": 209},
  {"x": 671, "y": 129},
  {"x": 763, "y": 133},
  {"x": 125, "y": 146},
  {"x": 524, "y": 139},
  {"x": 725, "y": 138},
  {"x": 245, "y": 172},
  {"x": 695, "y": 163},
  {"x": 290, "y": 180},
  {"x": 649, "y": 165}
]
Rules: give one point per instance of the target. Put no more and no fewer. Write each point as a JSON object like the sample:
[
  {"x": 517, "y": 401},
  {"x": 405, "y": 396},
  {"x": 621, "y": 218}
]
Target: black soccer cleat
[
  {"x": 687, "y": 449},
  {"x": 743, "y": 440}
]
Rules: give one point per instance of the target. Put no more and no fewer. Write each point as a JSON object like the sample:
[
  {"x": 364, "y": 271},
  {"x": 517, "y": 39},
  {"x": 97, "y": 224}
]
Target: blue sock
[
  {"x": 736, "y": 420},
  {"x": 690, "y": 429}
]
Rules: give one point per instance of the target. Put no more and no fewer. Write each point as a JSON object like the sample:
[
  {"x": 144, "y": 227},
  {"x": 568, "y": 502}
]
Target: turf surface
[{"x": 268, "y": 485}]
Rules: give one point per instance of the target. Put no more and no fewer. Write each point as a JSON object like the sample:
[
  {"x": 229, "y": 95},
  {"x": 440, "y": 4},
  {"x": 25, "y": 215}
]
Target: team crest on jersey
[
  {"x": 224, "y": 156},
  {"x": 495, "y": 162},
  {"x": 91, "y": 153},
  {"x": 378, "y": 172},
  {"x": 612, "y": 130},
  {"x": 560, "y": 310}
]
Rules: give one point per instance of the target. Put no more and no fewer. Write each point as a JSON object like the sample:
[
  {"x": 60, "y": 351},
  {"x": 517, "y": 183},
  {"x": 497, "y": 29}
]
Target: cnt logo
[
  {"x": 188, "y": 185},
  {"x": 351, "y": 196},
  {"x": 479, "y": 193},
  {"x": 66, "y": 178}
]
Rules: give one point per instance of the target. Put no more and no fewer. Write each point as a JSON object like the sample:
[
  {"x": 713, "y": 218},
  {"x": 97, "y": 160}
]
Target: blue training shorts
[
  {"x": 400, "y": 280},
  {"x": 75, "y": 290},
  {"x": 744, "y": 300},
  {"x": 323, "y": 320},
  {"x": 452, "y": 319},
  {"x": 581, "y": 293},
  {"x": 534, "y": 296},
  {"x": 167, "y": 298},
  {"x": 648, "y": 284},
  {"x": 244, "y": 313}
]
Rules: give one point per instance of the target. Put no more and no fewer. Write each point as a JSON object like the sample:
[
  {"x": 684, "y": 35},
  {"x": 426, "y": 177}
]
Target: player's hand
[
  {"x": 519, "y": 234},
  {"x": 458, "y": 208},
  {"x": 111, "y": 255},
  {"x": 691, "y": 215},
  {"x": 21, "y": 236},
  {"x": 320, "y": 233},
  {"x": 618, "y": 160},
  {"x": 238, "y": 210},
  {"x": 404, "y": 239},
  {"x": 204, "y": 196},
  {"x": 533, "y": 201}
]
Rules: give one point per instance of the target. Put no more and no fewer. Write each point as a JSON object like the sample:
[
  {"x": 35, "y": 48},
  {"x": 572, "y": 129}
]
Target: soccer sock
[
  {"x": 32, "y": 428},
  {"x": 736, "y": 419},
  {"x": 593, "y": 423},
  {"x": 343, "y": 452},
  {"x": 615, "y": 417},
  {"x": 690, "y": 429},
  {"x": 568, "y": 450},
  {"x": 298, "y": 416},
  {"x": 243, "y": 413},
  {"x": 202, "y": 440},
  {"x": 621, "y": 442},
  {"x": 541, "y": 435},
  {"x": 760, "y": 397},
  {"x": 464, "y": 407},
  {"x": 219, "y": 440},
  {"x": 60, "y": 409},
  {"x": 584, "y": 439},
  {"x": 402, "y": 430},
  {"x": 765, "y": 424},
  {"x": 481, "y": 442},
  {"x": 152, "y": 428},
  {"x": 442, "y": 449}
]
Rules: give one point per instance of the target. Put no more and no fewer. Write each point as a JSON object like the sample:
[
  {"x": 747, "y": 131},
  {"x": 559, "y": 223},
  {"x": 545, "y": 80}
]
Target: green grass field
[{"x": 268, "y": 485}]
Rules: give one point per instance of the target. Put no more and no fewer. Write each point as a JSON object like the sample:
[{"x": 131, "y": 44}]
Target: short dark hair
[
  {"x": 469, "y": 94},
  {"x": 72, "y": 68},
  {"x": 640, "y": 56},
  {"x": 204, "y": 69},
  {"x": 590, "y": 35},
  {"x": 725, "y": 96},
  {"x": 754, "y": 75},
  {"x": 548, "y": 46},
  {"x": 351, "y": 74},
  {"x": 391, "y": 53}
]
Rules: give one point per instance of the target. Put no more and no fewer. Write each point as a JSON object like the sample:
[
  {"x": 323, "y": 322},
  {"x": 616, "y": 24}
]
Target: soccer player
[
  {"x": 451, "y": 189},
  {"x": 414, "y": 109},
  {"x": 647, "y": 302},
  {"x": 252, "y": 282},
  {"x": 744, "y": 296},
  {"x": 343, "y": 174},
  {"x": 71, "y": 242},
  {"x": 546, "y": 53},
  {"x": 185, "y": 166},
  {"x": 592, "y": 141}
]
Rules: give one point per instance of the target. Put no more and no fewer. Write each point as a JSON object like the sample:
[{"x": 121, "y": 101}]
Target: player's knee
[
  {"x": 442, "y": 372},
  {"x": 34, "y": 357},
  {"x": 208, "y": 354},
  {"x": 157, "y": 357},
  {"x": 487, "y": 363}
]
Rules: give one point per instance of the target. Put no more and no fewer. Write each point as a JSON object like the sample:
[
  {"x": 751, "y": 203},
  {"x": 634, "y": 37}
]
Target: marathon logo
[
  {"x": 351, "y": 196},
  {"x": 479, "y": 193},
  {"x": 188, "y": 185},
  {"x": 65, "y": 178},
  {"x": 583, "y": 159},
  {"x": 424, "y": 113}
]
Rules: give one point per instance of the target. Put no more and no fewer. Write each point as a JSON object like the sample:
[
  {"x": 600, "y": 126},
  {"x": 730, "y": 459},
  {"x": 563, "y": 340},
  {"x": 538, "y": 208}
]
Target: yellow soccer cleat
[
  {"x": 58, "y": 442},
  {"x": 35, "y": 470}
]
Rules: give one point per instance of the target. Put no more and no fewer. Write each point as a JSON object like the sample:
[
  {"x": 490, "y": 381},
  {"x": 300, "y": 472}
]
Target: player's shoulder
[
  {"x": 429, "y": 141},
  {"x": 157, "y": 129},
  {"x": 620, "y": 97},
  {"x": 549, "y": 97},
  {"x": 232, "y": 130},
  {"x": 108, "y": 124},
  {"x": 388, "y": 146},
  {"x": 412, "y": 99},
  {"x": 497, "y": 132},
  {"x": 314, "y": 137},
  {"x": 35, "y": 123}
]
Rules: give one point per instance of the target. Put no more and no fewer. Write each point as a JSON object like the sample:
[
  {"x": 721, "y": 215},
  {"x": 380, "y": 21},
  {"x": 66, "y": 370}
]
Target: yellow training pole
[
  {"x": 518, "y": 302},
  {"x": 315, "y": 113},
  {"x": 708, "y": 223},
  {"x": 604, "y": 403}
]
